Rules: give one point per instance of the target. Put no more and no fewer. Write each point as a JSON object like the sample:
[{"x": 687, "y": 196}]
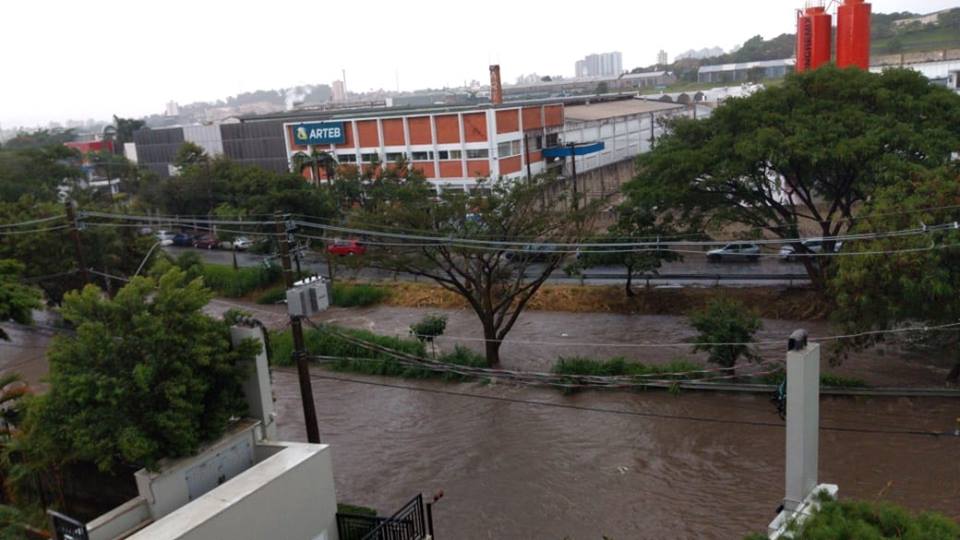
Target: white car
[
  {"x": 164, "y": 237},
  {"x": 242, "y": 243}
]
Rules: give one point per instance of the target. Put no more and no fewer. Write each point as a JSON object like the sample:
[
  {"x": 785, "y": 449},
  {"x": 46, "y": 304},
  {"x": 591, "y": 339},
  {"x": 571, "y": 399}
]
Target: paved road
[{"x": 731, "y": 273}]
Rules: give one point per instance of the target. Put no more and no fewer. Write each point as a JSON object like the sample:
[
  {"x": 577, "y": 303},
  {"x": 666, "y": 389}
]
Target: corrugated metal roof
[
  {"x": 613, "y": 109},
  {"x": 786, "y": 62},
  {"x": 647, "y": 75}
]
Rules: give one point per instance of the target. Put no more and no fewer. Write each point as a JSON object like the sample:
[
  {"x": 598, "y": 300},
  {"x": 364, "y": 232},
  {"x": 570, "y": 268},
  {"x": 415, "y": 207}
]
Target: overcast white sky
[{"x": 67, "y": 59}]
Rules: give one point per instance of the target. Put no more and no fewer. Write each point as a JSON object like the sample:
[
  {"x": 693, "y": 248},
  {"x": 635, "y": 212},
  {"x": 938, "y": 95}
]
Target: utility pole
[
  {"x": 75, "y": 236},
  {"x": 573, "y": 163},
  {"x": 296, "y": 328}
]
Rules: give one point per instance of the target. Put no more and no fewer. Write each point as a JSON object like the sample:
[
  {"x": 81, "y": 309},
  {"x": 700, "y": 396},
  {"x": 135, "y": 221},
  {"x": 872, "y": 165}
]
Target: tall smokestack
[
  {"x": 496, "y": 89},
  {"x": 853, "y": 34}
]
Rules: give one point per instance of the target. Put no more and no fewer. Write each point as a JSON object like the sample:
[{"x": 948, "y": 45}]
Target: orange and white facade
[{"x": 452, "y": 146}]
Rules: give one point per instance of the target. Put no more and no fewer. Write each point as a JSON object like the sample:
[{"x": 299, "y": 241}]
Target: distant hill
[
  {"x": 701, "y": 54},
  {"x": 915, "y": 33}
]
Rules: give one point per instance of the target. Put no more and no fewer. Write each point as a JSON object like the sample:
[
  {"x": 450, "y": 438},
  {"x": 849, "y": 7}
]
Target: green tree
[
  {"x": 497, "y": 286},
  {"x": 725, "y": 329},
  {"x": 190, "y": 153},
  {"x": 36, "y": 172},
  {"x": 634, "y": 223},
  {"x": 147, "y": 376},
  {"x": 905, "y": 279},
  {"x": 800, "y": 156},
  {"x": 41, "y": 138},
  {"x": 16, "y": 299},
  {"x": 123, "y": 129}
]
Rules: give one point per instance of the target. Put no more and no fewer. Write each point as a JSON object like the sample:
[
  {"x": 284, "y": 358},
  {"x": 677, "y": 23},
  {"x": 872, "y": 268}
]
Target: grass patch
[
  {"x": 356, "y": 359},
  {"x": 827, "y": 380},
  {"x": 358, "y": 295},
  {"x": 226, "y": 281},
  {"x": 617, "y": 367}
]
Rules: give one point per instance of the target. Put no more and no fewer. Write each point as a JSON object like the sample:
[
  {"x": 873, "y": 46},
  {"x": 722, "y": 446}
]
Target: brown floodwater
[{"x": 518, "y": 470}]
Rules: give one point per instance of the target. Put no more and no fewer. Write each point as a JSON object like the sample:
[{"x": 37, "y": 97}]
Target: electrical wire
[
  {"x": 35, "y": 231},
  {"x": 642, "y": 414},
  {"x": 32, "y": 221}
]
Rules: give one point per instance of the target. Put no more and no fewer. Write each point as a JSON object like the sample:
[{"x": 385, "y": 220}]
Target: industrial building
[
  {"x": 731, "y": 73},
  {"x": 452, "y": 146}
]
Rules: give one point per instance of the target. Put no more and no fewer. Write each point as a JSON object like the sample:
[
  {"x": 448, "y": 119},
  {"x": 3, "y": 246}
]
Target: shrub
[
  {"x": 273, "y": 295},
  {"x": 622, "y": 367},
  {"x": 429, "y": 327},
  {"x": 358, "y": 295},
  {"x": 327, "y": 344},
  {"x": 237, "y": 283},
  {"x": 875, "y": 520},
  {"x": 725, "y": 321}
]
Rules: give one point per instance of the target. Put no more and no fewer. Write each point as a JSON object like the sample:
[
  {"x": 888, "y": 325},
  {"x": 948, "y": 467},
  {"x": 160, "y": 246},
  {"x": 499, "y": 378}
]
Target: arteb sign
[{"x": 320, "y": 133}]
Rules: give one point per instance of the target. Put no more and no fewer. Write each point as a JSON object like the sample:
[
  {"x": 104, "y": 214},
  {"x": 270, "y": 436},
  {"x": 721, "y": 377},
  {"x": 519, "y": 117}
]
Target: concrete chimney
[{"x": 496, "y": 89}]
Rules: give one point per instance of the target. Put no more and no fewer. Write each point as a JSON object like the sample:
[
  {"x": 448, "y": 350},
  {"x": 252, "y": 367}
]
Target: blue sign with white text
[{"x": 320, "y": 133}]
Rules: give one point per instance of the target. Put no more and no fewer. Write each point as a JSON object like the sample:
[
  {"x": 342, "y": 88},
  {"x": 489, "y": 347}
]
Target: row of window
[{"x": 442, "y": 155}]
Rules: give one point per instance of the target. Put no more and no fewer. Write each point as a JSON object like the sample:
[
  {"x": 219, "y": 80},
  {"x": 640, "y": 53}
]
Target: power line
[
  {"x": 661, "y": 416},
  {"x": 32, "y": 221},
  {"x": 35, "y": 231}
]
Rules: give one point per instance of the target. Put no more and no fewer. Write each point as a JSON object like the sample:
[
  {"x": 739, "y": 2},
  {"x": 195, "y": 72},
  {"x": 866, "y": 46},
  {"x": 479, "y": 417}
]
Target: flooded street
[
  {"x": 518, "y": 470},
  {"x": 534, "y": 463}
]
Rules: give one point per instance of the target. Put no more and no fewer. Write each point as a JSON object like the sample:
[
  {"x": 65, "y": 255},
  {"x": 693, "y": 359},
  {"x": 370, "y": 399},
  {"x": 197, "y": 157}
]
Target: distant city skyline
[{"x": 45, "y": 77}]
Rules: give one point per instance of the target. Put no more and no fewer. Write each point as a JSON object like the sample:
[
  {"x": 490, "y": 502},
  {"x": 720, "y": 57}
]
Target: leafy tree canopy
[
  {"x": 16, "y": 299},
  {"x": 497, "y": 282},
  {"x": 35, "y": 171},
  {"x": 147, "y": 376},
  {"x": 801, "y": 156},
  {"x": 40, "y": 138},
  {"x": 907, "y": 279},
  {"x": 722, "y": 323}
]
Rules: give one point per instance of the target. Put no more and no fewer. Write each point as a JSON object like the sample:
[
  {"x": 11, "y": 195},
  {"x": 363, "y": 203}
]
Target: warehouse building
[{"x": 727, "y": 73}]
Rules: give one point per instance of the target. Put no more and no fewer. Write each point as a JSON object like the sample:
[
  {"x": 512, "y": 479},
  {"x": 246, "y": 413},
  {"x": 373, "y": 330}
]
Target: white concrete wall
[
  {"x": 169, "y": 489},
  {"x": 289, "y": 495}
]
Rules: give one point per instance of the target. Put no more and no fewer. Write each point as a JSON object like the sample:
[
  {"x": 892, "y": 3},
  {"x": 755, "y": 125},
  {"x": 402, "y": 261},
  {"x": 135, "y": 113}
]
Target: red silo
[
  {"x": 821, "y": 25},
  {"x": 804, "y": 42},
  {"x": 814, "y": 38},
  {"x": 853, "y": 34}
]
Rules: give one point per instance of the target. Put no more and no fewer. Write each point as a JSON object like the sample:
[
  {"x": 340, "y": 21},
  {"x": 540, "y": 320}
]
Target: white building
[{"x": 597, "y": 65}]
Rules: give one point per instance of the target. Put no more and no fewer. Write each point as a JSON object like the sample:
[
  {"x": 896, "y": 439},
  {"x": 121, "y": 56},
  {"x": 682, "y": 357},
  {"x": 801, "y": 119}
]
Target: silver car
[
  {"x": 739, "y": 251},
  {"x": 788, "y": 253}
]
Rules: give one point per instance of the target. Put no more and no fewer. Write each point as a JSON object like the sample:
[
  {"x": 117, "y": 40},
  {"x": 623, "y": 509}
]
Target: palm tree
[
  {"x": 12, "y": 388},
  {"x": 315, "y": 160}
]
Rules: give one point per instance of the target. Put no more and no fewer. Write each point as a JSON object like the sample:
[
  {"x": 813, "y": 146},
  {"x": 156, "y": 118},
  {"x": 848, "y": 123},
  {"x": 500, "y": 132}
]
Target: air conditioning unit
[{"x": 308, "y": 297}]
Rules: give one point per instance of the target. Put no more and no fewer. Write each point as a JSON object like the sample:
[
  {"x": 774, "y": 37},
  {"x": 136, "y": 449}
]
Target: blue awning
[{"x": 578, "y": 149}]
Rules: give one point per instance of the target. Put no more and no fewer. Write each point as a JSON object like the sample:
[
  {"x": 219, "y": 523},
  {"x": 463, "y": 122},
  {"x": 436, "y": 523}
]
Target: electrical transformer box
[{"x": 308, "y": 297}]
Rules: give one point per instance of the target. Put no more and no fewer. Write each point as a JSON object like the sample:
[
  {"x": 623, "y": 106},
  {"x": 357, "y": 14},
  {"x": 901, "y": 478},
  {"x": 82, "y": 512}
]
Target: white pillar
[
  {"x": 803, "y": 424},
  {"x": 257, "y": 389}
]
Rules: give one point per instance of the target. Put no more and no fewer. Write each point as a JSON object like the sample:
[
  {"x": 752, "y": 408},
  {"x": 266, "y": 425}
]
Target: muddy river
[{"x": 519, "y": 470}]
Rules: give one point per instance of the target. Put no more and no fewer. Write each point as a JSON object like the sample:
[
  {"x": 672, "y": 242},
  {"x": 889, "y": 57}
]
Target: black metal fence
[
  {"x": 356, "y": 527},
  {"x": 408, "y": 523}
]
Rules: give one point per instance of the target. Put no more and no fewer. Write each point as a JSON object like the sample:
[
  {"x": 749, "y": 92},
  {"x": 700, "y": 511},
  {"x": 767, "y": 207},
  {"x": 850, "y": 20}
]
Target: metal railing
[
  {"x": 408, "y": 523},
  {"x": 355, "y": 526}
]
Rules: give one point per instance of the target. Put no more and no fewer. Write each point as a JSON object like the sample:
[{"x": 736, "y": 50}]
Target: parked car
[
  {"x": 346, "y": 248},
  {"x": 735, "y": 252},
  {"x": 206, "y": 241},
  {"x": 242, "y": 243},
  {"x": 183, "y": 240},
  {"x": 164, "y": 237},
  {"x": 788, "y": 253}
]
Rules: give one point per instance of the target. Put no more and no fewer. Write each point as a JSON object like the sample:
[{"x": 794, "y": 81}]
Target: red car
[
  {"x": 206, "y": 241},
  {"x": 344, "y": 248}
]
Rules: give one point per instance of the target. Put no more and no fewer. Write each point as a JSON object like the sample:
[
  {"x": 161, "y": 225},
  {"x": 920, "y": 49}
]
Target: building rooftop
[
  {"x": 613, "y": 109},
  {"x": 373, "y": 112},
  {"x": 787, "y": 62}
]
